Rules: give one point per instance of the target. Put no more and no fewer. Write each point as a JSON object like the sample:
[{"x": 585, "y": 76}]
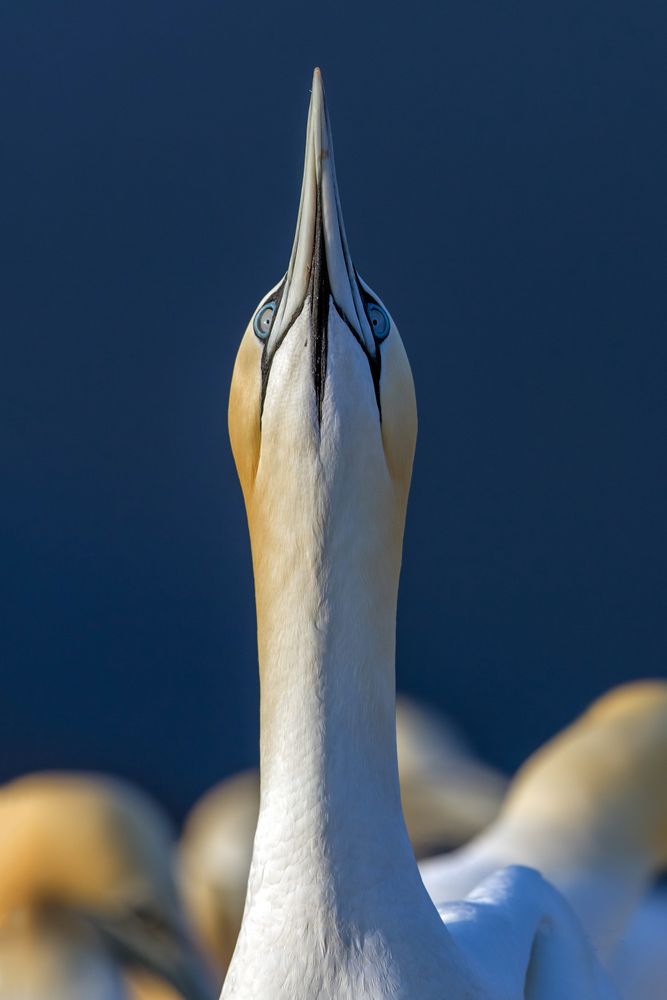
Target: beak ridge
[{"x": 320, "y": 204}]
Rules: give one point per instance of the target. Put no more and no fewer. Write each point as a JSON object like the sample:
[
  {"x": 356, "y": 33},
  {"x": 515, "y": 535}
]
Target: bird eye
[
  {"x": 263, "y": 320},
  {"x": 379, "y": 321}
]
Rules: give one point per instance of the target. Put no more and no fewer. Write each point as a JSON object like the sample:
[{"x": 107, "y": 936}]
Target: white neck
[
  {"x": 335, "y": 905},
  {"x": 328, "y": 743}
]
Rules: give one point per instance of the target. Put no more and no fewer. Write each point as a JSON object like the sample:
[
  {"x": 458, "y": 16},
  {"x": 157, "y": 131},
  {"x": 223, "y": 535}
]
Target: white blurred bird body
[
  {"x": 589, "y": 810},
  {"x": 603, "y": 896},
  {"x": 323, "y": 424},
  {"x": 639, "y": 965}
]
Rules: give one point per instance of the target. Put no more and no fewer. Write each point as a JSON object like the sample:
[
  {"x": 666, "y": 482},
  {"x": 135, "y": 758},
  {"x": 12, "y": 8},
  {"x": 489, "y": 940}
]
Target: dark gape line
[{"x": 320, "y": 290}]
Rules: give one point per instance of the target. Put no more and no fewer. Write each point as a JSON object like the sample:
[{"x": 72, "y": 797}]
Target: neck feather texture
[
  {"x": 328, "y": 744},
  {"x": 335, "y": 904}
]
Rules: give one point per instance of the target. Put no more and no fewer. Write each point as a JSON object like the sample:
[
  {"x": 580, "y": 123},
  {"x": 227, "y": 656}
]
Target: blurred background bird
[
  {"x": 87, "y": 893},
  {"x": 89, "y": 904},
  {"x": 588, "y": 810}
]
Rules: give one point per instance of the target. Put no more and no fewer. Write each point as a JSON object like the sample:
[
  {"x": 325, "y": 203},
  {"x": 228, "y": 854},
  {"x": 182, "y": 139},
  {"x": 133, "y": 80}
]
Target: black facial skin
[
  {"x": 319, "y": 292},
  {"x": 320, "y": 295}
]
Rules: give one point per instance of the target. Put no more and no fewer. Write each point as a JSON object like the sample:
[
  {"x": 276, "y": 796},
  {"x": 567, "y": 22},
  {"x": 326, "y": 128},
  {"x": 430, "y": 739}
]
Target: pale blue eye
[
  {"x": 379, "y": 321},
  {"x": 263, "y": 320}
]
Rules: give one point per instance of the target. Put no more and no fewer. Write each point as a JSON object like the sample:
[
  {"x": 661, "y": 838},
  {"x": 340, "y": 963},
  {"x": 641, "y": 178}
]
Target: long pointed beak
[{"x": 321, "y": 263}]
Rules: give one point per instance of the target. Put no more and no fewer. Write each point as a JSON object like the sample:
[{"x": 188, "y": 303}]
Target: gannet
[
  {"x": 589, "y": 810},
  {"x": 87, "y": 891},
  {"x": 323, "y": 420},
  {"x": 448, "y": 795}
]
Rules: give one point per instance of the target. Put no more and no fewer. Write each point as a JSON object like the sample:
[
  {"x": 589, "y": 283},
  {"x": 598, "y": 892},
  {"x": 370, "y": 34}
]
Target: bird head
[
  {"x": 322, "y": 412},
  {"x": 78, "y": 851},
  {"x": 603, "y": 779},
  {"x": 215, "y": 855}
]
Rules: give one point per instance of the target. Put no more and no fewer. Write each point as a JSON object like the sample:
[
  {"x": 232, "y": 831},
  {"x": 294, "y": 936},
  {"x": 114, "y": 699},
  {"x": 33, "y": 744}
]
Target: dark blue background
[{"x": 503, "y": 170}]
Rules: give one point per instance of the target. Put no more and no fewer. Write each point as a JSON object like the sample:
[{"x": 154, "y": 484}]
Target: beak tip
[{"x": 318, "y": 83}]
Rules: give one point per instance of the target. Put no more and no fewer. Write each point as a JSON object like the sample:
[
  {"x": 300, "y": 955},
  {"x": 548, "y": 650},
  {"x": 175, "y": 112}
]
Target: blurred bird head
[
  {"x": 95, "y": 853},
  {"x": 605, "y": 775},
  {"x": 322, "y": 412},
  {"x": 216, "y": 850}
]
